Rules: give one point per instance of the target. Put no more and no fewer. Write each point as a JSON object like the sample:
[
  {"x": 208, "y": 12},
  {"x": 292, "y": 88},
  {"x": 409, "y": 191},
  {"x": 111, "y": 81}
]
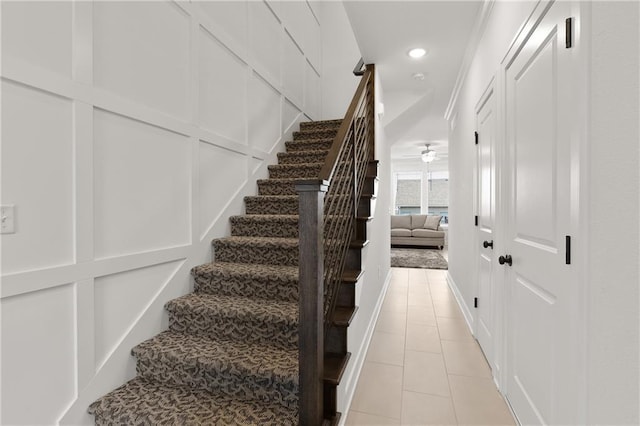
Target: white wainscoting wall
[{"x": 130, "y": 132}]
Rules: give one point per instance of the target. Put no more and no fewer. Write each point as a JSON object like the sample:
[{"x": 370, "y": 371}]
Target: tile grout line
[
  {"x": 444, "y": 361},
  {"x": 404, "y": 354}
]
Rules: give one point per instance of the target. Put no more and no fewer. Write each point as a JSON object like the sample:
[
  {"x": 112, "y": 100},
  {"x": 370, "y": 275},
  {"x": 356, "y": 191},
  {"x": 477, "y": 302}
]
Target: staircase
[{"x": 230, "y": 355}]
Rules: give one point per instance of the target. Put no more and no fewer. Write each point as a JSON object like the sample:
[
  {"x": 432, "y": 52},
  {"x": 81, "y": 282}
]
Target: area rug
[{"x": 417, "y": 258}]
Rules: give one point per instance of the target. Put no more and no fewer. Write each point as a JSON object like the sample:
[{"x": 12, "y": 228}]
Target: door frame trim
[{"x": 491, "y": 89}]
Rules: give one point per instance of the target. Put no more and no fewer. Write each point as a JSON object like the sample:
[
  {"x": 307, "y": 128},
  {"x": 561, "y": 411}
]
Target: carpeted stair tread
[
  {"x": 302, "y": 157},
  {"x": 296, "y": 171},
  {"x": 308, "y": 144},
  {"x": 233, "y": 368},
  {"x": 274, "y": 226},
  {"x": 315, "y": 134},
  {"x": 282, "y": 186},
  {"x": 271, "y": 204},
  {"x": 242, "y": 279},
  {"x": 265, "y": 225},
  {"x": 230, "y": 354},
  {"x": 143, "y": 402},
  {"x": 323, "y": 124},
  {"x": 260, "y": 241},
  {"x": 235, "y": 318},
  {"x": 264, "y": 250},
  {"x": 277, "y": 186}
]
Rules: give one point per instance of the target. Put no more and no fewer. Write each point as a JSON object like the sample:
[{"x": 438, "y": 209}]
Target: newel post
[{"x": 311, "y": 301}]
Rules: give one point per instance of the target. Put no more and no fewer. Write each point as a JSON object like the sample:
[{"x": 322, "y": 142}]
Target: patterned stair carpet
[{"x": 230, "y": 355}]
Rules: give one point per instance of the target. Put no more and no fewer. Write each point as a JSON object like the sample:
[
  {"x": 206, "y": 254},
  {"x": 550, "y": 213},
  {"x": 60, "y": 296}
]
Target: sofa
[{"x": 417, "y": 230}]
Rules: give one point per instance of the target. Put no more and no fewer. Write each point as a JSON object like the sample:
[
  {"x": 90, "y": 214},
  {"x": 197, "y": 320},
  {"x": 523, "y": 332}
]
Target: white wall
[
  {"x": 340, "y": 53},
  {"x": 609, "y": 207},
  {"x": 130, "y": 133},
  {"x": 614, "y": 212},
  {"x": 503, "y": 23}
]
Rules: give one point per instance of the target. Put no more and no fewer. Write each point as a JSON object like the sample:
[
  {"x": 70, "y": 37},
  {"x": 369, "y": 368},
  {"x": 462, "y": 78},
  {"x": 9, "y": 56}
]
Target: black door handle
[
  {"x": 505, "y": 259},
  {"x": 488, "y": 244}
]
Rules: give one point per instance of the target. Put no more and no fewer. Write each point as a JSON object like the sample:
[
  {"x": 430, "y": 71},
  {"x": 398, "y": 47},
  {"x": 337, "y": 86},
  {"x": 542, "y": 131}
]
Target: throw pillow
[{"x": 432, "y": 222}]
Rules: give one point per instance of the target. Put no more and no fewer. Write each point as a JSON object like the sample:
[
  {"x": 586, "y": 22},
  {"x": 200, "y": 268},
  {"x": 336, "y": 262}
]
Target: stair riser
[
  {"x": 302, "y": 157},
  {"x": 330, "y": 399},
  {"x": 315, "y": 134},
  {"x": 365, "y": 206},
  {"x": 258, "y": 287},
  {"x": 347, "y": 295},
  {"x": 354, "y": 259},
  {"x": 246, "y": 227},
  {"x": 370, "y": 186},
  {"x": 309, "y": 145},
  {"x": 276, "y": 332},
  {"x": 298, "y": 171},
  {"x": 259, "y": 205},
  {"x": 228, "y": 381},
  {"x": 269, "y": 187},
  {"x": 336, "y": 340},
  {"x": 143, "y": 402},
  {"x": 249, "y": 253},
  {"x": 325, "y": 124},
  {"x": 278, "y": 187},
  {"x": 255, "y": 228}
]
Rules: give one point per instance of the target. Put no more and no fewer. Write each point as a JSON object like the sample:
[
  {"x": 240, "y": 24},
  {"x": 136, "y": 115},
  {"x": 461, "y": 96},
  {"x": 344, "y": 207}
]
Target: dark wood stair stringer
[{"x": 346, "y": 309}]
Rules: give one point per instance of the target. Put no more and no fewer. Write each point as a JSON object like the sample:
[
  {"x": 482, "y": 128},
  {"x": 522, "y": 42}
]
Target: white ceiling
[{"x": 414, "y": 110}]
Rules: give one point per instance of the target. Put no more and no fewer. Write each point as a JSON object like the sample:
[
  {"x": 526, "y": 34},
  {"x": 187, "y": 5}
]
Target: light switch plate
[{"x": 7, "y": 219}]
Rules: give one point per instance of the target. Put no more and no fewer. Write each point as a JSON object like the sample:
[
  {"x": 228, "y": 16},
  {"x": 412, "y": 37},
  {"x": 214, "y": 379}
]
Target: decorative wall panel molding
[
  {"x": 131, "y": 131},
  {"x": 38, "y": 355},
  {"x": 22, "y": 22},
  {"x": 141, "y": 52},
  {"x": 218, "y": 165},
  {"x": 141, "y": 186},
  {"x": 37, "y": 177},
  {"x": 293, "y": 73},
  {"x": 264, "y": 114},
  {"x": 120, "y": 299}
]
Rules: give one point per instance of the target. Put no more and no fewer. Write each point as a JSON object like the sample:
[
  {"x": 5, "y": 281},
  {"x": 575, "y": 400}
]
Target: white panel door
[
  {"x": 541, "y": 288},
  {"x": 486, "y": 198}
]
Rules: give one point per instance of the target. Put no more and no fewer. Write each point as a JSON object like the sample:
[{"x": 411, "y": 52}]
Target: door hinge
[
  {"x": 476, "y": 137},
  {"x": 568, "y": 31},
  {"x": 476, "y": 221},
  {"x": 475, "y": 302},
  {"x": 567, "y": 250}
]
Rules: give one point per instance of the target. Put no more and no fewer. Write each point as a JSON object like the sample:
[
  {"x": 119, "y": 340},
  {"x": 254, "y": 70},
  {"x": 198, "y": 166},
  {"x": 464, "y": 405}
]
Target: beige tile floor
[{"x": 423, "y": 365}]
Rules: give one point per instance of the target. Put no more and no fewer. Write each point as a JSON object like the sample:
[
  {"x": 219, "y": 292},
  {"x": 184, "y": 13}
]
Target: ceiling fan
[{"x": 428, "y": 155}]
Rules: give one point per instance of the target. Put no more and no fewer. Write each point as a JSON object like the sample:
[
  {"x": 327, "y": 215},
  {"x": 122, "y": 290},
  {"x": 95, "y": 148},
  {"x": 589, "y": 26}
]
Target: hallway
[{"x": 423, "y": 365}]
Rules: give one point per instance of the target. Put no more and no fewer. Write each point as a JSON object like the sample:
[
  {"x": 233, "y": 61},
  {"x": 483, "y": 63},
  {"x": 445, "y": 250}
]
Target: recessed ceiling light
[
  {"x": 418, "y": 76},
  {"x": 417, "y": 53}
]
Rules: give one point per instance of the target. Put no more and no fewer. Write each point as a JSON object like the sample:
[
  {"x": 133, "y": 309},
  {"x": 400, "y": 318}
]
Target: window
[
  {"x": 408, "y": 192},
  {"x": 439, "y": 197},
  {"x": 411, "y": 197}
]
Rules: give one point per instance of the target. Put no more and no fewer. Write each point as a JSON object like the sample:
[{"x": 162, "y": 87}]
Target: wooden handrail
[
  {"x": 326, "y": 172},
  {"x": 358, "y": 71},
  {"x": 327, "y": 219}
]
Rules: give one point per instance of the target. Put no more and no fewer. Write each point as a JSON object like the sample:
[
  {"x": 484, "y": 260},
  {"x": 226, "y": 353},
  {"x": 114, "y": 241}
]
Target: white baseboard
[
  {"x": 358, "y": 359},
  {"x": 466, "y": 311}
]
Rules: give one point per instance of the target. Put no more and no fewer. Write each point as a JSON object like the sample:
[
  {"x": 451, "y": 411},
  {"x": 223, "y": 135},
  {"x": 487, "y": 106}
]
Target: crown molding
[{"x": 476, "y": 35}]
